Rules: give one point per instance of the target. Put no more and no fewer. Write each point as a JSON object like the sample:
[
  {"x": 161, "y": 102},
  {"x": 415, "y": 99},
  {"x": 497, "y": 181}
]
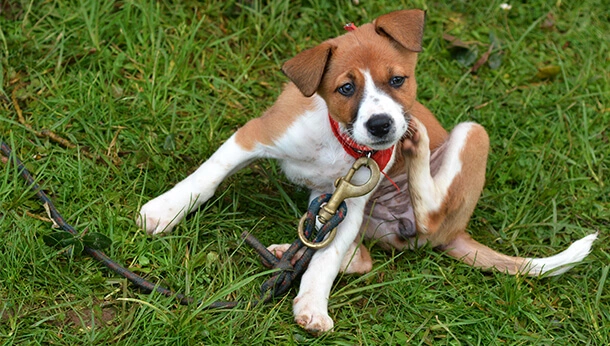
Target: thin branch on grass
[{"x": 44, "y": 133}]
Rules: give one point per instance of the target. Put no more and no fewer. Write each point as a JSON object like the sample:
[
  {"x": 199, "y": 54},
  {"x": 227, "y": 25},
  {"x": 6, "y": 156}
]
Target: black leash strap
[
  {"x": 288, "y": 273},
  {"x": 97, "y": 254},
  {"x": 274, "y": 287}
]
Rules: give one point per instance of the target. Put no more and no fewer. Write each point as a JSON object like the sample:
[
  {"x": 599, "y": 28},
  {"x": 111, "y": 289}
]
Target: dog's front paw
[
  {"x": 314, "y": 323},
  {"x": 312, "y": 318},
  {"x": 161, "y": 214}
]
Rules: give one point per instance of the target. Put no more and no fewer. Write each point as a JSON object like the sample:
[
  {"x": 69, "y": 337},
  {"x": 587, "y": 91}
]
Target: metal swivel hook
[{"x": 344, "y": 189}]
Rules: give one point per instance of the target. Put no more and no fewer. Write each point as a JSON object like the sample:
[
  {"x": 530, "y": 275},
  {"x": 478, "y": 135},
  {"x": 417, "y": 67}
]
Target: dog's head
[{"x": 366, "y": 77}]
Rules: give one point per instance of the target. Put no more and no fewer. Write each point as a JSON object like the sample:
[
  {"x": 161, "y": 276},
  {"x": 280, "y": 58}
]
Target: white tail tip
[{"x": 563, "y": 261}]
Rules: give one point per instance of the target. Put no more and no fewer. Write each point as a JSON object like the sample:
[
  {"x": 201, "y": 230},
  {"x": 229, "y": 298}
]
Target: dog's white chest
[{"x": 311, "y": 155}]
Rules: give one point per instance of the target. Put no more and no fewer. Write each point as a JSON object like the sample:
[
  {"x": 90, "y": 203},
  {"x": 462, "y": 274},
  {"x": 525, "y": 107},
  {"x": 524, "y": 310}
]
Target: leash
[
  {"x": 279, "y": 284},
  {"x": 97, "y": 254},
  {"x": 274, "y": 287}
]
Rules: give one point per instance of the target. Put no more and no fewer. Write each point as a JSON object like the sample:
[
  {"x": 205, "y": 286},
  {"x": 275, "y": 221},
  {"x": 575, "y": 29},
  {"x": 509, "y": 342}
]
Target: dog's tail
[{"x": 474, "y": 253}]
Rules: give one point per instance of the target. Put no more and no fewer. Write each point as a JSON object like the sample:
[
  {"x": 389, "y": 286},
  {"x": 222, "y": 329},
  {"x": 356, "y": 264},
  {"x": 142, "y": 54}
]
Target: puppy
[{"x": 352, "y": 96}]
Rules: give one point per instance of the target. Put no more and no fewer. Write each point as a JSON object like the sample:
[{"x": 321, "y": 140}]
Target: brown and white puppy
[{"x": 352, "y": 92}]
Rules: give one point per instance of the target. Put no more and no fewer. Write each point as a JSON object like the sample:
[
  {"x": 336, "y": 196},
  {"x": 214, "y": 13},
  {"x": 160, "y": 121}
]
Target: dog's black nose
[{"x": 379, "y": 125}]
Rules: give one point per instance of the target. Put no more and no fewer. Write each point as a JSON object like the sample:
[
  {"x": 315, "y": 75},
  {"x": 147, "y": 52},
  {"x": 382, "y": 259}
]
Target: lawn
[{"x": 143, "y": 92}]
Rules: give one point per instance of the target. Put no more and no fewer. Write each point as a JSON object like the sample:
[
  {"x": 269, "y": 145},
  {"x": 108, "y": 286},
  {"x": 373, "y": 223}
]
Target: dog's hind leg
[
  {"x": 464, "y": 248},
  {"x": 445, "y": 188}
]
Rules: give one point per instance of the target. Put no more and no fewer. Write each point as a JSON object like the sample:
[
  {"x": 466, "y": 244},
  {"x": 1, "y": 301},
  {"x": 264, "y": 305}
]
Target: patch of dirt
[
  {"x": 10, "y": 9},
  {"x": 6, "y": 315},
  {"x": 84, "y": 318}
]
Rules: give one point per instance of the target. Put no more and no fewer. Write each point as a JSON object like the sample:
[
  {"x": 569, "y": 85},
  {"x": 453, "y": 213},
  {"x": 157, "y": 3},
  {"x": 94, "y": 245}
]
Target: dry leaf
[
  {"x": 48, "y": 210},
  {"x": 548, "y": 72},
  {"x": 455, "y": 42},
  {"x": 549, "y": 22},
  {"x": 482, "y": 60}
]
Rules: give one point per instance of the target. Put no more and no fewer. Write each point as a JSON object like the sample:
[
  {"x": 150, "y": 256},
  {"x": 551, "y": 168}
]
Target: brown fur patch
[
  {"x": 274, "y": 122},
  {"x": 470, "y": 251},
  {"x": 405, "y": 27},
  {"x": 358, "y": 262},
  {"x": 307, "y": 68}
]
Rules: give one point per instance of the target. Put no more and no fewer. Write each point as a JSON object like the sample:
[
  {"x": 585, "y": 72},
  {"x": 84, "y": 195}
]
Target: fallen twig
[{"x": 53, "y": 136}]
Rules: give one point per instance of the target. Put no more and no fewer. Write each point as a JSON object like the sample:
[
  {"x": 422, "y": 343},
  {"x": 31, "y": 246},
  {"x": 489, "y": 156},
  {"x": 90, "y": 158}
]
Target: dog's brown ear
[
  {"x": 405, "y": 27},
  {"x": 306, "y": 69}
]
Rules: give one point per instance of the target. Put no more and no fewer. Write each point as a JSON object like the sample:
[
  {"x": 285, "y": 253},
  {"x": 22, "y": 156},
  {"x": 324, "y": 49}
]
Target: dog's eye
[
  {"x": 347, "y": 89},
  {"x": 397, "y": 81}
]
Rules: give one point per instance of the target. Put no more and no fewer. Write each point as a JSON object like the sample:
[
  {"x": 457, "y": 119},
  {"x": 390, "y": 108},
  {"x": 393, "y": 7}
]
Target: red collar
[{"x": 355, "y": 150}]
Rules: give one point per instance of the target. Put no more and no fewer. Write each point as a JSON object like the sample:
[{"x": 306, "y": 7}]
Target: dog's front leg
[
  {"x": 164, "y": 212},
  {"x": 311, "y": 304}
]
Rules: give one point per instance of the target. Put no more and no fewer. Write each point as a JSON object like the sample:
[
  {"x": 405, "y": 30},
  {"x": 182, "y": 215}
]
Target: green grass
[{"x": 153, "y": 88}]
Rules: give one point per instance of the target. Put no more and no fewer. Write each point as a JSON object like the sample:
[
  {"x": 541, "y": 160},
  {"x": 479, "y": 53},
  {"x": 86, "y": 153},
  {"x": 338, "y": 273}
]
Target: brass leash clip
[{"x": 344, "y": 189}]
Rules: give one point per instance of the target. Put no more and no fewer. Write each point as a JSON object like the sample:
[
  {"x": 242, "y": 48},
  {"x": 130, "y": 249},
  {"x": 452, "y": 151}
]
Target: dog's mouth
[
  {"x": 381, "y": 144},
  {"x": 367, "y": 145},
  {"x": 377, "y": 144}
]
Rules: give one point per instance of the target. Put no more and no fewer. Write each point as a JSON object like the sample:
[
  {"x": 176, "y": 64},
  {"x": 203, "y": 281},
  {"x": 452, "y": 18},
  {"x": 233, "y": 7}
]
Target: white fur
[
  {"x": 309, "y": 153},
  {"x": 560, "y": 263}
]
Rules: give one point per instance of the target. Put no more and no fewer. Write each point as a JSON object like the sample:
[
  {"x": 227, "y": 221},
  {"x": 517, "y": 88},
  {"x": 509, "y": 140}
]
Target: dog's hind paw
[
  {"x": 278, "y": 251},
  {"x": 417, "y": 143}
]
